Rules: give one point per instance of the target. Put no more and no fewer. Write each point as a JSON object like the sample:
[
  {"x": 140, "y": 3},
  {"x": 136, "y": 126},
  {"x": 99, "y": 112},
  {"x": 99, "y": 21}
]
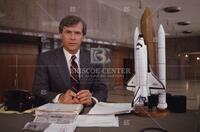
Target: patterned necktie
[{"x": 74, "y": 74}]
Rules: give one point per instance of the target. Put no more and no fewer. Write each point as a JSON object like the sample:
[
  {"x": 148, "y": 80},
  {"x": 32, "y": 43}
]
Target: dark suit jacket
[{"x": 52, "y": 76}]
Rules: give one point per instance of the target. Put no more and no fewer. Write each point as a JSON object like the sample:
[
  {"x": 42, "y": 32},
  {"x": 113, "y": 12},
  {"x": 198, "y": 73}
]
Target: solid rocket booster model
[
  {"x": 161, "y": 55},
  {"x": 162, "y": 66},
  {"x": 144, "y": 80}
]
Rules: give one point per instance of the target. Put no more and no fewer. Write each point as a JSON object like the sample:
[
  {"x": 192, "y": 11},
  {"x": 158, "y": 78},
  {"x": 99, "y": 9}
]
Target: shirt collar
[{"x": 68, "y": 55}]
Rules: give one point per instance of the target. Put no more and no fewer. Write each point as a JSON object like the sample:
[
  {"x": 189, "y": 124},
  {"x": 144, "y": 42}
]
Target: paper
[
  {"x": 61, "y": 128},
  {"x": 55, "y": 118},
  {"x": 97, "y": 121},
  {"x": 59, "y": 108},
  {"x": 36, "y": 126},
  {"x": 110, "y": 108}
]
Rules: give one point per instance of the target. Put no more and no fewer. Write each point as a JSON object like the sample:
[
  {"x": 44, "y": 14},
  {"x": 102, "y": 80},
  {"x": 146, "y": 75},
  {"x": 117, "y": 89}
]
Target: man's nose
[{"x": 73, "y": 36}]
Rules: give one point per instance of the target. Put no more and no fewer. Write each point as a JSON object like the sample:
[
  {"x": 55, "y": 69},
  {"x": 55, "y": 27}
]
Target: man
[{"x": 59, "y": 77}]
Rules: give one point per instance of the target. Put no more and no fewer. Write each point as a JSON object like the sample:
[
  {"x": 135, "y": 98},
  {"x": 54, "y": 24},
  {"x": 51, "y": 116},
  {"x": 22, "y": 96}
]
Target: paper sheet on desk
[
  {"x": 110, "y": 108},
  {"x": 61, "y": 128},
  {"x": 97, "y": 121}
]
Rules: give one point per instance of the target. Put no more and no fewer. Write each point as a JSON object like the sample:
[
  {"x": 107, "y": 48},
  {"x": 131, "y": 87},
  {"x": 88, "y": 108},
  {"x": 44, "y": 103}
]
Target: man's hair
[{"x": 70, "y": 21}]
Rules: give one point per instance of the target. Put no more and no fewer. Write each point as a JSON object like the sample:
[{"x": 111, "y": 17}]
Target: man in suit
[{"x": 66, "y": 75}]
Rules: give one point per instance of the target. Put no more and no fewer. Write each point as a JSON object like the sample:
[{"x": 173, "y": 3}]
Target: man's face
[{"x": 72, "y": 37}]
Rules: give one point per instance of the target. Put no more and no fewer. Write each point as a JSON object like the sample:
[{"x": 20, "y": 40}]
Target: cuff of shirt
[
  {"x": 95, "y": 100},
  {"x": 56, "y": 99}
]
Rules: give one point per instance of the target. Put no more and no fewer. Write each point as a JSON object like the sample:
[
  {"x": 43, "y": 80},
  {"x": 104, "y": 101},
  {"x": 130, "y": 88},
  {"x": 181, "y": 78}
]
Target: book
[{"x": 53, "y": 108}]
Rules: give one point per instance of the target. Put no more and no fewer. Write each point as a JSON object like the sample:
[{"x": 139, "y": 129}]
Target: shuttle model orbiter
[{"x": 144, "y": 80}]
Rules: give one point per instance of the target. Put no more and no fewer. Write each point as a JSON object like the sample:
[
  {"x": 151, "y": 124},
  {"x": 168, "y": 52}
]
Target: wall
[
  {"x": 18, "y": 59},
  {"x": 103, "y": 22},
  {"x": 179, "y": 66}
]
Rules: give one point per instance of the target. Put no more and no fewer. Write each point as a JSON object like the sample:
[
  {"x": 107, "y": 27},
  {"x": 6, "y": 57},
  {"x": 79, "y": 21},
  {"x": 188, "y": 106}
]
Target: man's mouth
[{"x": 72, "y": 43}]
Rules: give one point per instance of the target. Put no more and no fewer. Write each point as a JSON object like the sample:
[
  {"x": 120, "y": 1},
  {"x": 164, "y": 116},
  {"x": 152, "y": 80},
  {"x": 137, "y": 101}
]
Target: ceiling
[
  {"x": 189, "y": 12},
  {"x": 109, "y": 20}
]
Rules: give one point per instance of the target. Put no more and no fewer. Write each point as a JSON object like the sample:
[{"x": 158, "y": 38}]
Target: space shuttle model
[{"x": 144, "y": 83}]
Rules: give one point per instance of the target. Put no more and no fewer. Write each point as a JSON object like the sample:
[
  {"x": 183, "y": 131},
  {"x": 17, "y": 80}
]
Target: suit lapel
[{"x": 61, "y": 63}]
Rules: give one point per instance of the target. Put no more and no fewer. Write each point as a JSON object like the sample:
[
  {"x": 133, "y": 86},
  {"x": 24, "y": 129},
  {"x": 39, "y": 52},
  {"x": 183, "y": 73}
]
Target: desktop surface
[{"x": 173, "y": 122}]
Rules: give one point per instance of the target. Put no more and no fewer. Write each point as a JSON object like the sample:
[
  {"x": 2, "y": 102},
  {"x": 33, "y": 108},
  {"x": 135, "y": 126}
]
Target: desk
[{"x": 173, "y": 122}]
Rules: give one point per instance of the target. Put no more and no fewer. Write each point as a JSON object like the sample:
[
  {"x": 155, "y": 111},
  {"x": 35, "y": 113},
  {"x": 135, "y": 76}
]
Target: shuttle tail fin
[{"x": 153, "y": 82}]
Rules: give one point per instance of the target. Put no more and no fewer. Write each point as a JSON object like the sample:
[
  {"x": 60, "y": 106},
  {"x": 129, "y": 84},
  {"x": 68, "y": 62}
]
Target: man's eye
[
  {"x": 68, "y": 32},
  {"x": 78, "y": 33}
]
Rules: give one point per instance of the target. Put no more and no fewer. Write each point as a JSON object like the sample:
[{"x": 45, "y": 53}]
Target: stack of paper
[
  {"x": 55, "y": 117},
  {"x": 57, "y": 113},
  {"x": 110, "y": 108},
  {"x": 52, "y": 108}
]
